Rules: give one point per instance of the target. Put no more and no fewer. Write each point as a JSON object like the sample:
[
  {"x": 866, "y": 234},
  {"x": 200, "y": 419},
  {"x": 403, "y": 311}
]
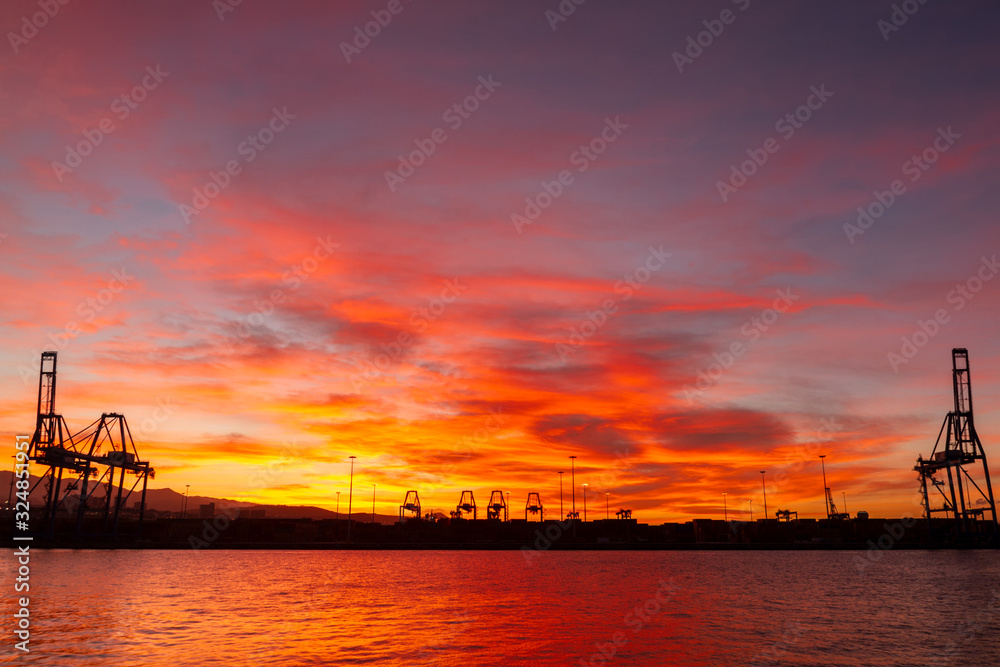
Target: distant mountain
[{"x": 168, "y": 500}]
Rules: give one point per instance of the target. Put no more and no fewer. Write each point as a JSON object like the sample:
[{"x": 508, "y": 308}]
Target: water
[{"x": 493, "y": 608}]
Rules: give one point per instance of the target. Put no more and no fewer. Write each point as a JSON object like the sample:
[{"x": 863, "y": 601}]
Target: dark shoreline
[
  {"x": 359, "y": 546},
  {"x": 220, "y": 532}
]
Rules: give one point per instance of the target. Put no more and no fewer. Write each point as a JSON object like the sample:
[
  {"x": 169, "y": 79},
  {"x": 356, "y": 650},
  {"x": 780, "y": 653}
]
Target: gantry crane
[
  {"x": 410, "y": 504},
  {"x": 960, "y": 447},
  {"x": 534, "y": 505},
  {"x": 466, "y": 504},
  {"x": 101, "y": 450},
  {"x": 497, "y": 506}
]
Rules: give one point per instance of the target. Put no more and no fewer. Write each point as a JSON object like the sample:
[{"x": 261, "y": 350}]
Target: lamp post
[
  {"x": 572, "y": 482},
  {"x": 607, "y": 505},
  {"x": 825, "y": 505},
  {"x": 338, "y": 505},
  {"x": 725, "y": 508},
  {"x": 350, "y": 498},
  {"x": 844, "y": 495},
  {"x": 764, "y": 486},
  {"x": 584, "y": 503},
  {"x": 187, "y": 492},
  {"x": 751, "y": 509},
  {"x": 561, "y": 515},
  {"x": 373, "y": 502}
]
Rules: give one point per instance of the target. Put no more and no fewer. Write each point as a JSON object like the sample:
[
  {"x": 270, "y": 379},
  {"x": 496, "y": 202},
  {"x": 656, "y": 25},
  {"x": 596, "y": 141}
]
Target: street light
[
  {"x": 350, "y": 498},
  {"x": 561, "y": 515},
  {"x": 751, "y": 509},
  {"x": 584, "y": 503},
  {"x": 764, "y": 486},
  {"x": 725, "y": 509},
  {"x": 607, "y": 505},
  {"x": 373, "y": 502},
  {"x": 573, "y": 482},
  {"x": 187, "y": 492},
  {"x": 825, "y": 505},
  {"x": 338, "y": 505},
  {"x": 844, "y": 495}
]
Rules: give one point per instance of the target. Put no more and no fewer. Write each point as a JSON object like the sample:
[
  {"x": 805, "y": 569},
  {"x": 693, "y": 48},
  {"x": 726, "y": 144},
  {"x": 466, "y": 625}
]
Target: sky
[{"x": 684, "y": 242}]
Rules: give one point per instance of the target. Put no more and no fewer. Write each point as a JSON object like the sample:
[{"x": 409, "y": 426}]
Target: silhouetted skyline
[{"x": 685, "y": 243}]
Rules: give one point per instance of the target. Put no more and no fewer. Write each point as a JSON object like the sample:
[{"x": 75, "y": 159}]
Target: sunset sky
[{"x": 588, "y": 235}]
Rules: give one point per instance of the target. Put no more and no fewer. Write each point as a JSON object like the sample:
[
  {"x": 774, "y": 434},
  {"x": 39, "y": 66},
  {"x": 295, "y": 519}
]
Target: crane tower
[{"x": 957, "y": 454}]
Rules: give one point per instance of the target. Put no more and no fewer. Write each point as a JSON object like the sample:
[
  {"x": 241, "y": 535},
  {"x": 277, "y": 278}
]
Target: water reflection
[{"x": 491, "y": 608}]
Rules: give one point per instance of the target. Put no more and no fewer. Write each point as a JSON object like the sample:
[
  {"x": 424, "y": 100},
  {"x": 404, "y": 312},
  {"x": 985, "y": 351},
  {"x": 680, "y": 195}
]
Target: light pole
[
  {"x": 584, "y": 503},
  {"x": 373, "y": 502},
  {"x": 350, "y": 498},
  {"x": 844, "y": 495},
  {"x": 825, "y": 505},
  {"x": 751, "y": 509},
  {"x": 764, "y": 486},
  {"x": 725, "y": 508},
  {"x": 607, "y": 505},
  {"x": 338, "y": 505},
  {"x": 187, "y": 492},
  {"x": 561, "y": 515},
  {"x": 573, "y": 482}
]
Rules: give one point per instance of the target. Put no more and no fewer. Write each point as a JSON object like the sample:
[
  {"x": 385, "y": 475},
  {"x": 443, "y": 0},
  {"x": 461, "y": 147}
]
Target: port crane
[
  {"x": 957, "y": 454},
  {"x": 833, "y": 513},
  {"x": 534, "y": 505},
  {"x": 410, "y": 504},
  {"x": 466, "y": 504},
  {"x": 497, "y": 506},
  {"x": 83, "y": 462}
]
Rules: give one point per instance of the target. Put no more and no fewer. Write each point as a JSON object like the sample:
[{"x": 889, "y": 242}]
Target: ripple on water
[{"x": 491, "y": 608}]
